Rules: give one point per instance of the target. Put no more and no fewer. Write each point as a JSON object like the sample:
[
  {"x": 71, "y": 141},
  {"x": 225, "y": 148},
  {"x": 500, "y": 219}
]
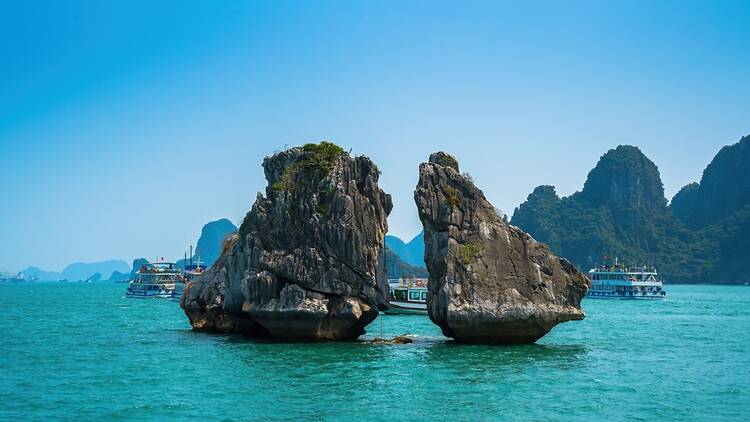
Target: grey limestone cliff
[
  {"x": 489, "y": 281},
  {"x": 307, "y": 262}
]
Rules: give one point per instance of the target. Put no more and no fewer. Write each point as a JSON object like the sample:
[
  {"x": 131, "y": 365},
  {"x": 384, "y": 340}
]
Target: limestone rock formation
[
  {"x": 723, "y": 190},
  {"x": 704, "y": 233},
  {"x": 203, "y": 298},
  {"x": 489, "y": 281},
  {"x": 307, "y": 263}
]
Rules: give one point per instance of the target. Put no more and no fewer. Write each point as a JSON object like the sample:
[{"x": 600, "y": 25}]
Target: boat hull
[
  {"x": 405, "y": 308},
  {"x": 154, "y": 291},
  {"x": 130, "y": 295},
  {"x": 625, "y": 297}
]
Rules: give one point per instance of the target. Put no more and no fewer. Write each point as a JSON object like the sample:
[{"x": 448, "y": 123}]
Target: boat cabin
[
  {"x": 159, "y": 273},
  {"x": 412, "y": 290}
]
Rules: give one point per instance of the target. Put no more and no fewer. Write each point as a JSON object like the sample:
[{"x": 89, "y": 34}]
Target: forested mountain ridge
[
  {"x": 723, "y": 190},
  {"x": 621, "y": 211}
]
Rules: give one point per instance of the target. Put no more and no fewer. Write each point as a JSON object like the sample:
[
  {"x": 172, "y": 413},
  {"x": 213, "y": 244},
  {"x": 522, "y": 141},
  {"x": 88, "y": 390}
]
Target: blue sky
[{"x": 125, "y": 126}]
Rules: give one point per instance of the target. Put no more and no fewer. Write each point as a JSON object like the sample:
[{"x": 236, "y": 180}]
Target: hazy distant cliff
[
  {"x": 210, "y": 242},
  {"x": 621, "y": 211},
  {"x": 405, "y": 259},
  {"x": 411, "y": 252},
  {"x": 213, "y": 234},
  {"x": 396, "y": 267},
  {"x": 80, "y": 271}
]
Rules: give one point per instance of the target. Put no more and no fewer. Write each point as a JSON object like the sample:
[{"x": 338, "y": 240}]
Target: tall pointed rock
[
  {"x": 489, "y": 281},
  {"x": 307, "y": 263}
]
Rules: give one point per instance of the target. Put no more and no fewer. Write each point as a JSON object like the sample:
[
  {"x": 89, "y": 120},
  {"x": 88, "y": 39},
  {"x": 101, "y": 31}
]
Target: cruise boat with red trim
[{"x": 157, "y": 280}]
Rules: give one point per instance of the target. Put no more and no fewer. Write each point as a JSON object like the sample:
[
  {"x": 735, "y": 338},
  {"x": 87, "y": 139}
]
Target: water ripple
[{"x": 74, "y": 351}]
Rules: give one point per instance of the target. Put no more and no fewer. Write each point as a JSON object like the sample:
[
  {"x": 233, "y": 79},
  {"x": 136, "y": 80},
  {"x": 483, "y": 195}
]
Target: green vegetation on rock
[
  {"x": 320, "y": 157},
  {"x": 468, "y": 253},
  {"x": 285, "y": 183},
  {"x": 451, "y": 195},
  {"x": 448, "y": 160},
  {"x": 313, "y": 166}
]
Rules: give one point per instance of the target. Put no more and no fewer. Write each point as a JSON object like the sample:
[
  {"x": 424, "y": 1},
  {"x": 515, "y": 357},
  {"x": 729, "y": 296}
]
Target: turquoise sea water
[{"x": 81, "y": 351}]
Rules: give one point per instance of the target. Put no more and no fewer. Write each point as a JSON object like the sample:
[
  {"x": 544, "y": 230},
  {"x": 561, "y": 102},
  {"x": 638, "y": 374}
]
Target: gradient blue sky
[{"x": 125, "y": 126}]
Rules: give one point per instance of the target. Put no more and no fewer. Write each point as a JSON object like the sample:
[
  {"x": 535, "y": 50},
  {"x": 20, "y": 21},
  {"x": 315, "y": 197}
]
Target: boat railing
[
  {"x": 625, "y": 269},
  {"x": 408, "y": 283}
]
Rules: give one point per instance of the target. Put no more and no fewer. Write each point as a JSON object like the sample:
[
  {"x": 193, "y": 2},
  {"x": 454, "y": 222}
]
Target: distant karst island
[
  {"x": 702, "y": 236},
  {"x": 208, "y": 248}
]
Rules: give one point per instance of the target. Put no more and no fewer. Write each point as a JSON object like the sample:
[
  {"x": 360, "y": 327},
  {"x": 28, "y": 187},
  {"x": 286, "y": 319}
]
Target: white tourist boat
[
  {"x": 622, "y": 282},
  {"x": 157, "y": 280},
  {"x": 12, "y": 278},
  {"x": 408, "y": 296}
]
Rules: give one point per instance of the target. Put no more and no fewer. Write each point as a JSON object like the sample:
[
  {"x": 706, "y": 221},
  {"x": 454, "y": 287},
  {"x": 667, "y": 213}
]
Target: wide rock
[
  {"x": 307, "y": 263},
  {"x": 489, "y": 281}
]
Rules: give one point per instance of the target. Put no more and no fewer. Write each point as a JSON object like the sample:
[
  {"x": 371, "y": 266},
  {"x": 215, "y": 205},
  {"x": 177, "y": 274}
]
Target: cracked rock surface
[
  {"x": 490, "y": 282},
  {"x": 307, "y": 262}
]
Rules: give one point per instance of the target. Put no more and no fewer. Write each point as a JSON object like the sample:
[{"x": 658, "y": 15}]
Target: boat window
[
  {"x": 399, "y": 294},
  {"x": 424, "y": 295},
  {"x": 413, "y": 295}
]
